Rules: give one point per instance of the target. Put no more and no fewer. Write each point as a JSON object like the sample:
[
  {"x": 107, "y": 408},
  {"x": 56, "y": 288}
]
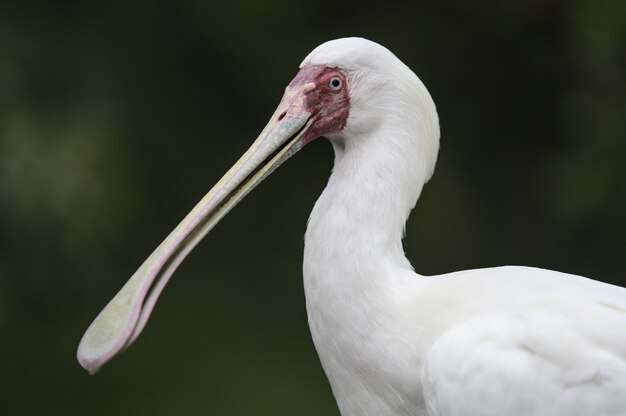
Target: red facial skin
[{"x": 329, "y": 108}]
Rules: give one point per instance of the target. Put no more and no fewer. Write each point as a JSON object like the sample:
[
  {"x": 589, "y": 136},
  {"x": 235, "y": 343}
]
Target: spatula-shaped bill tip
[{"x": 123, "y": 319}]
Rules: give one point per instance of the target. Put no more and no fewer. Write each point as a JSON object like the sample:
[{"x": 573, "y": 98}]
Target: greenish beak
[{"x": 125, "y": 316}]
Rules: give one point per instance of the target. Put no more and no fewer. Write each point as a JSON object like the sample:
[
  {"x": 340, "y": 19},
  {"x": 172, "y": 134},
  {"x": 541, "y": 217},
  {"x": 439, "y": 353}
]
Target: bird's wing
[{"x": 539, "y": 361}]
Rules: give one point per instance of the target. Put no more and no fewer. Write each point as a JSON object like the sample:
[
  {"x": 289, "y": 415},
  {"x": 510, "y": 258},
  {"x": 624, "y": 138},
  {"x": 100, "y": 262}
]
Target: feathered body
[
  {"x": 511, "y": 341},
  {"x": 502, "y": 341}
]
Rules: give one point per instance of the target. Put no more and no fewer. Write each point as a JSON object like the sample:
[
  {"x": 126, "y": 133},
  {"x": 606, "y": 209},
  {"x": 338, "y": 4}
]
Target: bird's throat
[{"x": 355, "y": 276}]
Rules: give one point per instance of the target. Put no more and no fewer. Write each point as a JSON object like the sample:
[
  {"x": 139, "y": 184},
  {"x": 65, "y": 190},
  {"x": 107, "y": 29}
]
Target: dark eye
[{"x": 335, "y": 83}]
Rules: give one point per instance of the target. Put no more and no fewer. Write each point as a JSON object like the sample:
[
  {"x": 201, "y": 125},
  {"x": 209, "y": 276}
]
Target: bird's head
[
  {"x": 325, "y": 99},
  {"x": 345, "y": 90},
  {"x": 350, "y": 88}
]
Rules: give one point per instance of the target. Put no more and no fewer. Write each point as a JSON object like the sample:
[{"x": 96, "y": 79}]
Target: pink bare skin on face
[
  {"x": 328, "y": 102},
  {"x": 316, "y": 103}
]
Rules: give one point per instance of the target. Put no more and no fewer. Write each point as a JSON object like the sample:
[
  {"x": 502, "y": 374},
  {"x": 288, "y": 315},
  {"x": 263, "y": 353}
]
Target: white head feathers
[{"x": 384, "y": 92}]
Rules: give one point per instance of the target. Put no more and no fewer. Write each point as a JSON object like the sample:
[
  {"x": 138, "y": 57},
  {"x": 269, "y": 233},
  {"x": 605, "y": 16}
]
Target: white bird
[{"x": 501, "y": 341}]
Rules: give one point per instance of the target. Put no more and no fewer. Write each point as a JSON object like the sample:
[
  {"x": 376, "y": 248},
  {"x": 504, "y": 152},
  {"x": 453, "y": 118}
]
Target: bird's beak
[{"x": 123, "y": 319}]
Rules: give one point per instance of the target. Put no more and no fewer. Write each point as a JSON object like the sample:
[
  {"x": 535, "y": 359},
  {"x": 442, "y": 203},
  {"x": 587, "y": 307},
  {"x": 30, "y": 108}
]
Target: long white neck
[
  {"x": 357, "y": 279},
  {"x": 357, "y": 224},
  {"x": 355, "y": 270},
  {"x": 358, "y": 221}
]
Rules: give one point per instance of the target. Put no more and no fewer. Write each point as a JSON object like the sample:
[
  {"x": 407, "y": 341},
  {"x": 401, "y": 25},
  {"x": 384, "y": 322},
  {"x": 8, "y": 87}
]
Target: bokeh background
[{"x": 117, "y": 116}]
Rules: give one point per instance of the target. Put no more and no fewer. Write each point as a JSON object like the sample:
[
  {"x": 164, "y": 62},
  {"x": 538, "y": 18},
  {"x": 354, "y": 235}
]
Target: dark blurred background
[{"x": 116, "y": 117}]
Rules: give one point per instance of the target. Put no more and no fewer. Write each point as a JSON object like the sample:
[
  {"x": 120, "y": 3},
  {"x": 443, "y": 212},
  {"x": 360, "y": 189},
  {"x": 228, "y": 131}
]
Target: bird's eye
[{"x": 335, "y": 83}]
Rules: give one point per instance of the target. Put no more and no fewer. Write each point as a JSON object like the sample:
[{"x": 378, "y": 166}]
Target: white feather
[{"x": 503, "y": 341}]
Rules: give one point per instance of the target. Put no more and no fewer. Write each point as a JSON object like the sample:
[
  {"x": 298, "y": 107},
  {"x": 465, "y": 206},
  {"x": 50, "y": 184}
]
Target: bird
[{"x": 509, "y": 340}]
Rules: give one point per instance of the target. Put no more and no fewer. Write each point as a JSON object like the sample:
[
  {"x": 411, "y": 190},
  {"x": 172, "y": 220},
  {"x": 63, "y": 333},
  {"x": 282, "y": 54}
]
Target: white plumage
[
  {"x": 502, "y": 341},
  {"x": 512, "y": 341}
]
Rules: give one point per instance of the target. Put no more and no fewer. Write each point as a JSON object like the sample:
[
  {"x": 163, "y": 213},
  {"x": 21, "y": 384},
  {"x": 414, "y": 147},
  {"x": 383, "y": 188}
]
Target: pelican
[{"x": 498, "y": 341}]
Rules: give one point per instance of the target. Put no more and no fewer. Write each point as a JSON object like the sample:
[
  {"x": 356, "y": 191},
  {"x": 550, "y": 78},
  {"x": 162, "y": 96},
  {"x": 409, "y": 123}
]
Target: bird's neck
[
  {"x": 354, "y": 263},
  {"x": 357, "y": 224},
  {"x": 356, "y": 274},
  {"x": 357, "y": 279}
]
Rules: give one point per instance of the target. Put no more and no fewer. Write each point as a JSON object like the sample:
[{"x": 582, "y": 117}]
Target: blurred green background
[{"x": 116, "y": 117}]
